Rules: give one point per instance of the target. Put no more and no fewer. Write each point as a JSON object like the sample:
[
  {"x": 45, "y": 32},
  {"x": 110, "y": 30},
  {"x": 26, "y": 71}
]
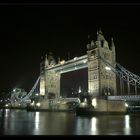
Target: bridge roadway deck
[{"x": 71, "y": 65}]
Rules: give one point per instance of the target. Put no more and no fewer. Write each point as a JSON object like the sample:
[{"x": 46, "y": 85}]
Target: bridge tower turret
[
  {"x": 101, "y": 79},
  {"x": 113, "y": 51}
]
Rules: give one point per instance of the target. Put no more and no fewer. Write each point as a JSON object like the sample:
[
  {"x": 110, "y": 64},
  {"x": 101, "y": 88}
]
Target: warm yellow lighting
[
  {"x": 32, "y": 103},
  {"x": 62, "y": 62},
  {"x": 79, "y": 89},
  {"x": 107, "y": 68},
  {"x": 84, "y": 61},
  {"x": 126, "y": 105},
  {"x": 38, "y": 104},
  {"x": 127, "y": 128},
  {"x": 94, "y": 102},
  {"x": 75, "y": 58},
  {"x": 42, "y": 90},
  {"x": 83, "y": 104}
]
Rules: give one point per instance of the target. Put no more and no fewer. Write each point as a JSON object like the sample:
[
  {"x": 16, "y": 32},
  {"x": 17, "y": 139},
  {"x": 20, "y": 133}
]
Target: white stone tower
[{"x": 101, "y": 78}]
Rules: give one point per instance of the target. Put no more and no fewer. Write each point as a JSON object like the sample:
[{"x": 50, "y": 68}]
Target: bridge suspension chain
[
  {"x": 124, "y": 74},
  {"x": 130, "y": 77},
  {"x": 16, "y": 96},
  {"x": 32, "y": 90}
]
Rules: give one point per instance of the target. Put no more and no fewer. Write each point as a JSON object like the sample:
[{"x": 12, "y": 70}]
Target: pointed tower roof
[
  {"x": 88, "y": 39},
  {"x": 100, "y": 31},
  {"x": 100, "y": 36},
  {"x": 112, "y": 42}
]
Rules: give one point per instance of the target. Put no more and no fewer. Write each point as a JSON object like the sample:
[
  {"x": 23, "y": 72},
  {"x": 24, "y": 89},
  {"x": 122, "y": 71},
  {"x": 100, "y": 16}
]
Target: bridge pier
[{"x": 105, "y": 105}]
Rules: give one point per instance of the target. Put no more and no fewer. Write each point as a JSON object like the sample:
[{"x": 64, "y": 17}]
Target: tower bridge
[
  {"x": 105, "y": 78},
  {"x": 97, "y": 72}
]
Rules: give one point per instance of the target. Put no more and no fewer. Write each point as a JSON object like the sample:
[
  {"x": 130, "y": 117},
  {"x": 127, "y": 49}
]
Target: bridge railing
[
  {"x": 125, "y": 97},
  {"x": 64, "y": 100}
]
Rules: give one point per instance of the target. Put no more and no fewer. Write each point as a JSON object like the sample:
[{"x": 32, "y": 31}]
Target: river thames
[{"x": 21, "y": 122}]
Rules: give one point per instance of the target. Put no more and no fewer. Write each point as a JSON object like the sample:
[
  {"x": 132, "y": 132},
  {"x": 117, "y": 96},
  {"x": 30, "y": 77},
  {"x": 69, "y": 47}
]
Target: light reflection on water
[
  {"x": 36, "y": 120},
  {"x": 94, "y": 126},
  {"x": 127, "y": 129},
  {"x": 21, "y": 122}
]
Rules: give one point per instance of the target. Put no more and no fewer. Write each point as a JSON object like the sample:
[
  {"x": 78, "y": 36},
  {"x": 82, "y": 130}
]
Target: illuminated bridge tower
[
  {"x": 101, "y": 79},
  {"x": 100, "y": 61}
]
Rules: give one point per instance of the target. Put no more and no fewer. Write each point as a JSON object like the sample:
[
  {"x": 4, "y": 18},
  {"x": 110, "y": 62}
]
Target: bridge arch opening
[{"x": 74, "y": 83}]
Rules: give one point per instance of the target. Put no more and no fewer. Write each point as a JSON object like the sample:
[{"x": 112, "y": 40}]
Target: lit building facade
[{"x": 101, "y": 78}]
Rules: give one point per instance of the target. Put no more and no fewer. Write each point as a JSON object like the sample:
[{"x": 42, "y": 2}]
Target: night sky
[{"x": 28, "y": 32}]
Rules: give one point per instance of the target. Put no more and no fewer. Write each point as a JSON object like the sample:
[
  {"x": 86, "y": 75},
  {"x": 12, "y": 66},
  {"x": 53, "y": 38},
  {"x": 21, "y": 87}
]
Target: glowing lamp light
[
  {"x": 126, "y": 105},
  {"x": 83, "y": 104},
  {"x": 62, "y": 62},
  {"x": 14, "y": 90},
  {"x": 32, "y": 103},
  {"x": 107, "y": 68},
  {"x": 75, "y": 58},
  {"x": 38, "y": 104},
  {"x": 94, "y": 102},
  {"x": 84, "y": 61}
]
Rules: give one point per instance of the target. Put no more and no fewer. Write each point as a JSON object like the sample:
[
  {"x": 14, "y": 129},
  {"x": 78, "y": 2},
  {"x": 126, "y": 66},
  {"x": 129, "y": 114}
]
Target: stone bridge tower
[{"x": 101, "y": 79}]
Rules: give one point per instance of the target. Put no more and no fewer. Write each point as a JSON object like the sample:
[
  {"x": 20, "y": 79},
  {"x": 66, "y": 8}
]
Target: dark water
[{"x": 21, "y": 122}]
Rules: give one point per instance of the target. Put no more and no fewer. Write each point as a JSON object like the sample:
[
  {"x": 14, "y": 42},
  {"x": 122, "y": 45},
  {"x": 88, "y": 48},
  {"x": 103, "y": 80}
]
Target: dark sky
[{"x": 28, "y": 32}]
